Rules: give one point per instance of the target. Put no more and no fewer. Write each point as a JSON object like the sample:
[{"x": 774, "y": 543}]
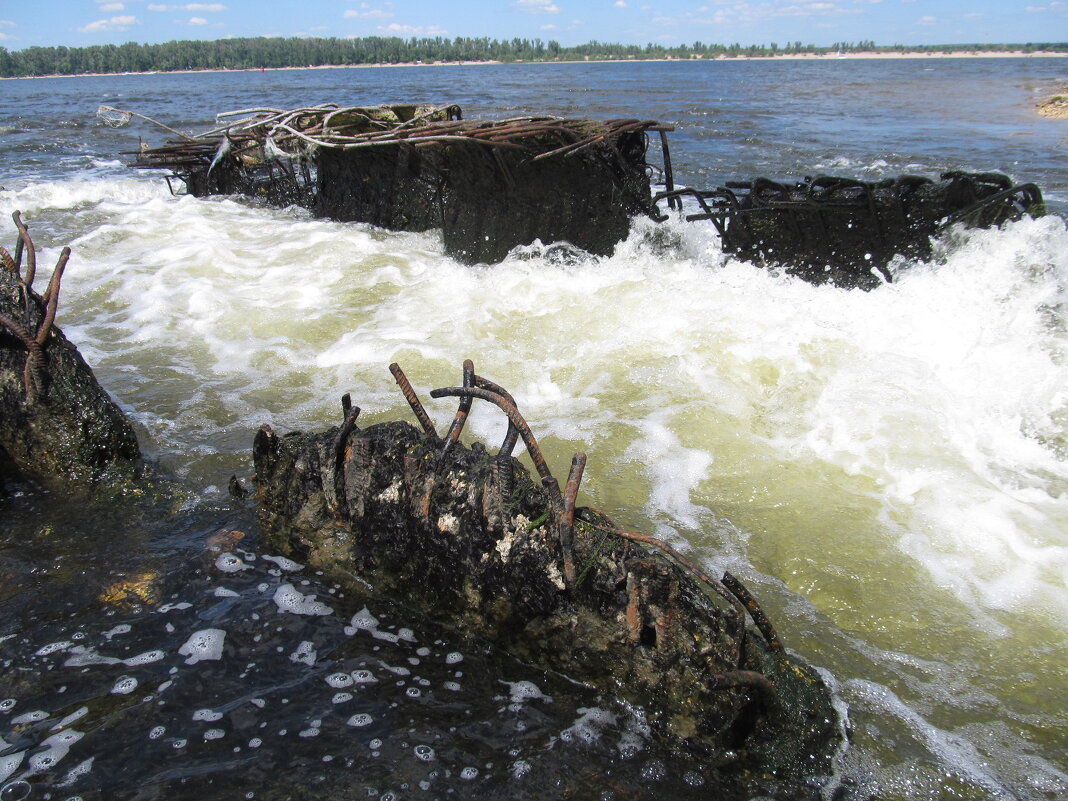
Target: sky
[{"x": 75, "y": 23}]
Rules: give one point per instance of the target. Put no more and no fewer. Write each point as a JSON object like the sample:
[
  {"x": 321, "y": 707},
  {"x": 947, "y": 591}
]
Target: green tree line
[{"x": 254, "y": 53}]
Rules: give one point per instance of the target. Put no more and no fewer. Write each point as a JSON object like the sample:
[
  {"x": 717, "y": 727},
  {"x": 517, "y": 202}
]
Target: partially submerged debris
[
  {"x": 492, "y": 185},
  {"x": 467, "y": 537},
  {"x": 56, "y": 422},
  {"x": 488, "y": 185},
  {"x": 848, "y": 231}
]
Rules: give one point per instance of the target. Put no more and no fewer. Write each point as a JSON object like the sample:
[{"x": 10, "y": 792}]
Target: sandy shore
[{"x": 778, "y": 57}]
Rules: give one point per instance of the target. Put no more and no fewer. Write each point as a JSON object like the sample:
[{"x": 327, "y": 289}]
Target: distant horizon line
[{"x": 866, "y": 44}]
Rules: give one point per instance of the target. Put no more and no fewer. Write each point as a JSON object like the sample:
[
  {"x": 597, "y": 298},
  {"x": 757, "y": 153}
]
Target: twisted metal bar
[
  {"x": 413, "y": 401},
  {"x": 512, "y": 436},
  {"x": 517, "y": 420},
  {"x": 348, "y": 423},
  {"x": 462, "y": 412},
  {"x": 742, "y": 593},
  {"x": 567, "y": 521},
  {"x": 25, "y": 245}
]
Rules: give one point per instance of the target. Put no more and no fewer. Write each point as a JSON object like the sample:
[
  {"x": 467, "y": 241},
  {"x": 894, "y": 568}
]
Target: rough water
[{"x": 887, "y": 470}]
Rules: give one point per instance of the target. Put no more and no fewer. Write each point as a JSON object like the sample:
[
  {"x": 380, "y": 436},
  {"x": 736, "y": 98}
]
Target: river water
[{"x": 887, "y": 470}]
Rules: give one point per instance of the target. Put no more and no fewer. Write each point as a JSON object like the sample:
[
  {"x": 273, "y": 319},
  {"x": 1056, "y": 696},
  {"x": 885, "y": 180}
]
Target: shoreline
[{"x": 863, "y": 56}]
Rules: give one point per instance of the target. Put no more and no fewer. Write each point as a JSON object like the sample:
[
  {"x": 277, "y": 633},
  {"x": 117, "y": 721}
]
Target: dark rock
[
  {"x": 57, "y": 425},
  {"x": 470, "y": 539}
]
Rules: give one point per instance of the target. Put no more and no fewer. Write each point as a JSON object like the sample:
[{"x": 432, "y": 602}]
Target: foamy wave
[{"x": 926, "y": 418}]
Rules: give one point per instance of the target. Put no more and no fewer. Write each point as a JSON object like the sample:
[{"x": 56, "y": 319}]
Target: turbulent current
[{"x": 888, "y": 470}]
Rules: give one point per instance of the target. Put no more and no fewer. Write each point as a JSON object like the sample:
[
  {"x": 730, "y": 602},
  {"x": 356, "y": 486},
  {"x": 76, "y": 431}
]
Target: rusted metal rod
[
  {"x": 413, "y": 401},
  {"x": 25, "y": 244},
  {"x": 512, "y": 435},
  {"x": 759, "y": 618},
  {"x": 462, "y": 411},
  {"x": 567, "y": 521},
  {"x": 517, "y": 420}
]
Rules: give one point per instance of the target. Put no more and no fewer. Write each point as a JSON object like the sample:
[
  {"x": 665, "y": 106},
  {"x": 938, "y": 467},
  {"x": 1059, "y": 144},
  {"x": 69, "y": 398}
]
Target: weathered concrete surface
[
  {"x": 57, "y": 424},
  {"x": 469, "y": 539}
]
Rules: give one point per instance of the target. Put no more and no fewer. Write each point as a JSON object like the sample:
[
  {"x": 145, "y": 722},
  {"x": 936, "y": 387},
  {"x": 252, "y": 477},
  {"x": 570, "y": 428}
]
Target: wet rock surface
[
  {"x": 469, "y": 539},
  {"x": 57, "y": 424}
]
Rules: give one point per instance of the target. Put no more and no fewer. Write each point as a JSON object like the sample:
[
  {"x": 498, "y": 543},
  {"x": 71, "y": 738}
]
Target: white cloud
[
  {"x": 550, "y": 27},
  {"x": 6, "y": 23},
  {"x": 197, "y": 21},
  {"x": 368, "y": 13},
  {"x": 928, "y": 20},
  {"x": 621, "y": 3},
  {"x": 397, "y": 29},
  {"x": 5, "y": 36},
  {"x": 112, "y": 6},
  {"x": 122, "y": 23},
  {"x": 537, "y": 6},
  {"x": 209, "y": 7}
]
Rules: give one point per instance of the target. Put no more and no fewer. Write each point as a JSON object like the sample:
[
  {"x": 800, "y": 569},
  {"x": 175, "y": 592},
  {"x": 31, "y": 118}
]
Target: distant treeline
[{"x": 254, "y": 53}]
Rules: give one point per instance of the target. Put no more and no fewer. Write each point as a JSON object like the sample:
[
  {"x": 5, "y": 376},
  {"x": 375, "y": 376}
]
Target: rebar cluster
[{"x": 34, "y": 341}]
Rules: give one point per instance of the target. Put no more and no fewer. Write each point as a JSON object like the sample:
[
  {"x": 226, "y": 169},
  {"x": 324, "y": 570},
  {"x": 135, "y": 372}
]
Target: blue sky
[{"x": 83, "y": 22}]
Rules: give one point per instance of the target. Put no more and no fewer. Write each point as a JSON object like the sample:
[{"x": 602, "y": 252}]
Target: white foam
[
  {"x": 229, "y": 563},
  {"x": 206, "y": 644},
  {"x": 304, "y": 654},
  {"x": 360, "y": 720},
  {"x": 289, "y": 599},
  {"x": 55, "y": 748},
  {"x": 285, "y": 563},
  {"x": 124, "y": 685}
]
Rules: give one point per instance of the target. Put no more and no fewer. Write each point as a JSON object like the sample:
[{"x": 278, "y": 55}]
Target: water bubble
[
  {"x": 693, "y": 778},
  {"x": 156, "y": 733},
  {"x": 7, "y": 704},
  {"x": 424, "y": 752},
  {"x": 414, "y": 692},
  {"x": 178, "y": 743},
  {"x": 255, "y": 742},
  {"x": 363, "y": 676},
  {"x": 207, "y": 715},
  {"x": 214, "y": 734},
  {"x": 340, "y": 680},
  {"x": 520, "y": 768},
  {"x": 360, "y": 720},
  {"x": 16, "y": 791},
  {"x": 654, "y": 770},
  {"x": 453, "y": 657},
  {"x": 340, "y": 698},
  {"x": 452, "y": 686},
  {"x": 124, "y": 686},
  {"x": 468, "y": 773},
  {"x": 375, "y": 743}
]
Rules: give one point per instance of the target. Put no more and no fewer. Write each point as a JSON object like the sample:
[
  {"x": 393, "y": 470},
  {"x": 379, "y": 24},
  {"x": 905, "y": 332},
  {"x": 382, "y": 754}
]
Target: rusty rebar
[
  {"x": 348, "y": 423},
  {"x": 462, "y": 411},
  {"x": 741, "y": 592},
  {"x": 413, "y": 401},
  {"x": 512, "y": 435},
  {"x": 33, "y": 370},
  {"x": 8, "y": 260},
  {"x": 567, "y": 520},
  {"x": 51, "y": 297},
  {"x": 517, "y": 420},
  {"x": 25, "y": 245}
]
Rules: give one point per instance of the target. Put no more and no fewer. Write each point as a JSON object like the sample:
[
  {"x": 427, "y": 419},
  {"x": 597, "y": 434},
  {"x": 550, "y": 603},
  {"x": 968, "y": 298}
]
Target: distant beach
[{"x": 889, "y": 55}]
